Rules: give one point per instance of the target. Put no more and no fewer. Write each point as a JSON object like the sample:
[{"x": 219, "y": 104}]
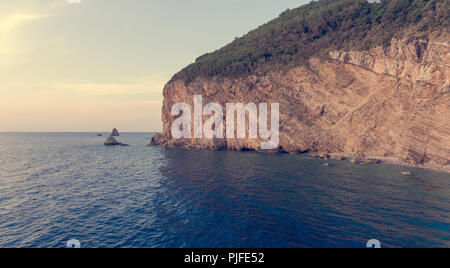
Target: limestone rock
[{"x": 389, "y": 102}]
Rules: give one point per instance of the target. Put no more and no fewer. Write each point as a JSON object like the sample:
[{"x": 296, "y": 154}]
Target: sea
[{"x": 56, "y": 187}]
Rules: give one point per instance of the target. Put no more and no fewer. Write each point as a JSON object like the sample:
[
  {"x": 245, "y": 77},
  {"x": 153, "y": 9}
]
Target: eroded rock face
[{"x": 385, "y": 103}]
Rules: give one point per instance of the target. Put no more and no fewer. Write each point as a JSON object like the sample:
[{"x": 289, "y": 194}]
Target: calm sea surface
[{"x": 60, "y": 186}]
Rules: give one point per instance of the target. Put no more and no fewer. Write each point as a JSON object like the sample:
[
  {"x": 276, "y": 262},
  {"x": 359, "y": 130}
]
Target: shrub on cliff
[{"x": 315, "y": 29}]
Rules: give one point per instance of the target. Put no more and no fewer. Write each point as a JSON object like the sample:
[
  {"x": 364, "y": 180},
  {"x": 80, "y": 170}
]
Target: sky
[{"x": 98, "y": 64}]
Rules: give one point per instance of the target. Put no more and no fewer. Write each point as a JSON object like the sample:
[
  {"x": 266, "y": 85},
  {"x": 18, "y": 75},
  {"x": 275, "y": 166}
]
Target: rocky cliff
[{"x": 389, "y": 102}]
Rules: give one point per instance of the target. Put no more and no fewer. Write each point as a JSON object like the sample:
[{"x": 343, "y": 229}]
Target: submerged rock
[
  {"x": 373, "y": 161},
  {"x": 356, "y": 160},
  {"x": 338, "y": 157}
]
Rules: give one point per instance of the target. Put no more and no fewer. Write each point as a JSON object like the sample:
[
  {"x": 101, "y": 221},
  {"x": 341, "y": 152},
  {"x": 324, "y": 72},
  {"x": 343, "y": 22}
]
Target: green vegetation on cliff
[{"x": 315, "y": 29}]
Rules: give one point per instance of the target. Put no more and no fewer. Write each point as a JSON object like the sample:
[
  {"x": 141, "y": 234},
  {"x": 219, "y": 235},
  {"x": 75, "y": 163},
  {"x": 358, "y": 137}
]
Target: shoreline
[
  {"x": 359, "y": 160},
  {"x": 385, "y": 160}
]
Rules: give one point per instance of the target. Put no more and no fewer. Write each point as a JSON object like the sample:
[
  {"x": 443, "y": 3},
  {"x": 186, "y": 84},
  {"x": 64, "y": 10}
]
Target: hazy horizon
[
  {"x": 96, "y": 132},
  {"x": 102, "y": 64}
]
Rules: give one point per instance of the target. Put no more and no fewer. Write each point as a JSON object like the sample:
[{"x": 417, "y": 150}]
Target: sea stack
[
  {"x": 115, "y": 133},
  {"x": 111, "y": 141}
]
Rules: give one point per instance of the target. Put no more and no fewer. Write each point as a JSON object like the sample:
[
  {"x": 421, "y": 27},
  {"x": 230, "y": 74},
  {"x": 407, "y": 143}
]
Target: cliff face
[{"x": 389, "y": 102}]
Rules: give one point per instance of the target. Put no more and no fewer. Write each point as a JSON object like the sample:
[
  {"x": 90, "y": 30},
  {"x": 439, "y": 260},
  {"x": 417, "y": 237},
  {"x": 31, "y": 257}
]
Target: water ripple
[{"x": 55, "y": 187}]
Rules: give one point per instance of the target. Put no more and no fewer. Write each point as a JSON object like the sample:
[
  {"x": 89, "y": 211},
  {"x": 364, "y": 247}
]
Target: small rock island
[
  {"x": 111, "y": 141},
  {"x": 115, "y": 133}
]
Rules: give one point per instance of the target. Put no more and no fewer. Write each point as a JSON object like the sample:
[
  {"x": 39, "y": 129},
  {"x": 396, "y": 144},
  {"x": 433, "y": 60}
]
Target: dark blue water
[{"x": 55, "y": 187}]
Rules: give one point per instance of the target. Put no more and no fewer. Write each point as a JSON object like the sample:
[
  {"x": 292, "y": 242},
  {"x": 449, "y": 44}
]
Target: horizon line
[{"x": 98, "y": 132}]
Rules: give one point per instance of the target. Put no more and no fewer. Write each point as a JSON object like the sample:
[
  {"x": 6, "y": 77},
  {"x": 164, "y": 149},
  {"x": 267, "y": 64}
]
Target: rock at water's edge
[
  {"x": 111, "y": 141},
  {"x": 156, "y": 140}
]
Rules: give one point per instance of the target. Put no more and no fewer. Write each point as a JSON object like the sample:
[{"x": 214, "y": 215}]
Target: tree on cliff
[{"x": 317, "y": 28}]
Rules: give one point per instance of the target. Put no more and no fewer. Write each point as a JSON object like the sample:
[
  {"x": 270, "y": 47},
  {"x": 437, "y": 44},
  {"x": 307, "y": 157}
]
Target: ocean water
[{"x": 60, "y": 186}]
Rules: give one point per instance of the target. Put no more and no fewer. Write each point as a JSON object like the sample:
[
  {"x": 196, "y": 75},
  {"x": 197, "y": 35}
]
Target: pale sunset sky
[{"x": 99, "y": 64}]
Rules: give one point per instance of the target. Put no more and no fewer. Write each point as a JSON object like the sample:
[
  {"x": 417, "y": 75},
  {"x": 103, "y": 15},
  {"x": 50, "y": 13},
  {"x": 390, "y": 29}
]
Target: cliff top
[{"x": 317, "y": 28}]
